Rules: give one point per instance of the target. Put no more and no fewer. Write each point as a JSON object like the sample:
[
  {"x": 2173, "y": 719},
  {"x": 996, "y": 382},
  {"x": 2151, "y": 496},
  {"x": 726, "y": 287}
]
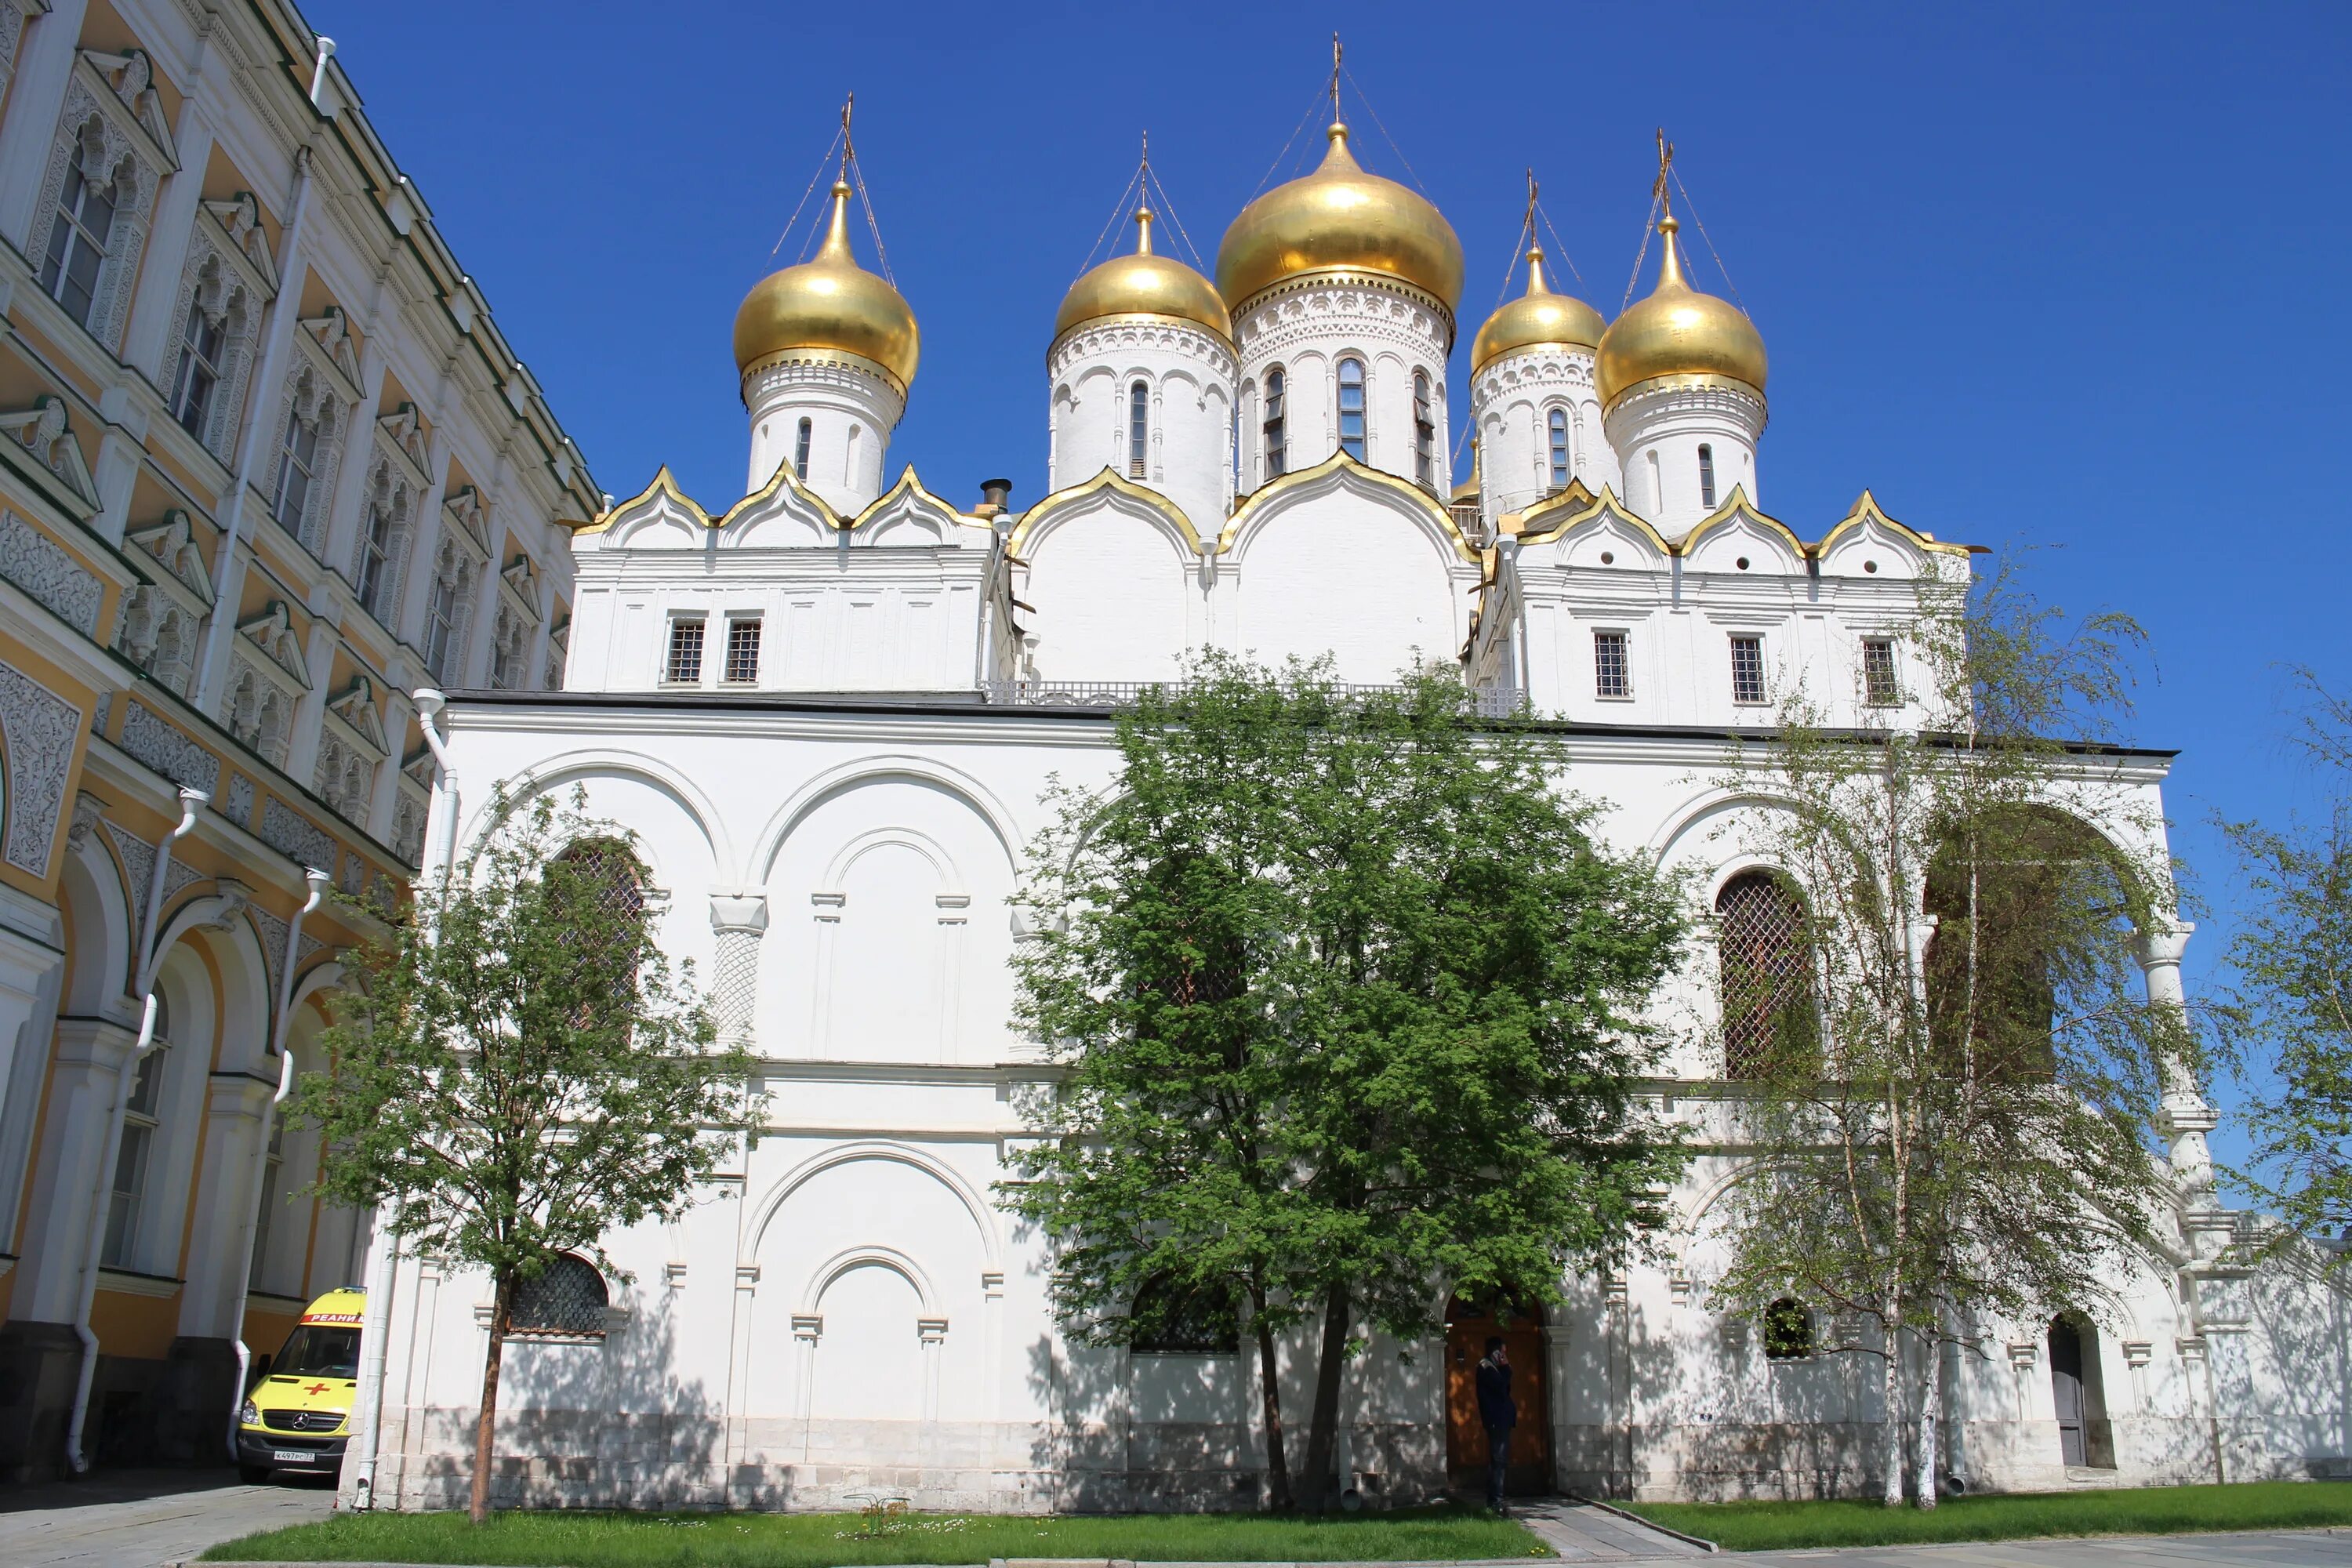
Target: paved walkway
[
  {"x": 2266, "y": 1549},
  {"x": 1582, "y": 1533},
  {"x": 139, "y": 1519}
]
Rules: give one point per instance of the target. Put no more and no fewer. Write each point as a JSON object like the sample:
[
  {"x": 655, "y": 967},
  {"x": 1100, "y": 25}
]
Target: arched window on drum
[{"x": 1765, "y": 975}]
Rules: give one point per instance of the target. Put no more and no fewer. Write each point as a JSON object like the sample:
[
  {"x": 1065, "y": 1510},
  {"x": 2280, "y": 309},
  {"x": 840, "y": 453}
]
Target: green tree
[
  {"x": 2291, "y": 959},
  {"x": 1954, "y": 1130},
  {"x": 517, "y": 1072},
  {"x": 1345, "y": 996}
]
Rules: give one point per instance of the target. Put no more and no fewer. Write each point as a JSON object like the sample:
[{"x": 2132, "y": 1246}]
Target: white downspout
[
  {"x": 252, "y": 1230},
  {"x": 376, "y": 1329},
  {"x": 192, "y": 801}
]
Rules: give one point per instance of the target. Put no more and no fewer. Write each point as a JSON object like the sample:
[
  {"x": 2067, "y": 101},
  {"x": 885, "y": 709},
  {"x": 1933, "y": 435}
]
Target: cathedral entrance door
[
  {"x": 2066, "y": 1388},
  {"x": 1467, "y": 1325}
]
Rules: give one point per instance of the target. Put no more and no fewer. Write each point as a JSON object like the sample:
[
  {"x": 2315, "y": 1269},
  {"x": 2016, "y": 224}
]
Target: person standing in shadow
[{"x": 1498, "y": 1412}]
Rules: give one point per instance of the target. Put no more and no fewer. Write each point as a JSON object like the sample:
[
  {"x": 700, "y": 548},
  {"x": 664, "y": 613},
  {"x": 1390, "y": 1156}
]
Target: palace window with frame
[
  {"x": 141, "y": 1113},
  {"x": 1276, "y": 427},
  {"x": 272, "y": 1169},
  {"x": 1881, "y": 685},
  {"x": 1612, "y": 666},
  {"x": 682, "y": 666},
  {"x": 297, "y": 467},
  {"x": 742, "y": 667},
  {"x": 1747, "y": 668},
  {"x": 80, "y": 234},
  {"x": 445, "y": 614},
  {"x": 1351, "y": 408},
  {"x": 204, "y": 346},
  {"x": 1558, "y": 425}
]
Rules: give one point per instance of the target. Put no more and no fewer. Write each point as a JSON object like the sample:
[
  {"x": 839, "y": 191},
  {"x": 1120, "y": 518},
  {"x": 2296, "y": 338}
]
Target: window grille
[
  {"x": 1764, "y": 973},
  {"x": 1277, "y": 445},
  {"x": 1706, "y": 476},
  {"x": 1424, "y": 434},
  {"x": 801, "y": 451},
  {"x": 1169, "y": 1320},
  {"x": 1559, "y": 448},
  {"x": 1788, "y": 1331},
  {"x": 1139, "y": 429},
  {"x": 743, "y": 650},
  {"x": 567, "y": 1298},
  {"x": 200, "y": 367},
  {"x": 78, "y": 236},
  {"x": 1351, "y": 408},
  {"x": 1879, "y": 687},
  {"x": 1747, "y": 668},
  {"x": 684, "y": 666},
  {"x": 1613, "y": 671}
]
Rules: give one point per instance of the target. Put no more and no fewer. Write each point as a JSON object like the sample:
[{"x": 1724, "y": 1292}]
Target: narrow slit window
[
  {"x": 1612, "y": 670},
  {"x": 1139, "y": 430},
  {"x": 1277, "y": 445},
  {"x": 1424, "y": 434},
  {"x": 1879, "y": 687},
  {"x": 1559, "y": 448},
  {"x": 684, "y": 666},
  {"x": 801, "y": 451},
  {"x": 1747, "y": 668},
  {"x": 1351, "y": 408},
  {"x": 1706, "y": 476},
  {"x": 743, "y": 650}
]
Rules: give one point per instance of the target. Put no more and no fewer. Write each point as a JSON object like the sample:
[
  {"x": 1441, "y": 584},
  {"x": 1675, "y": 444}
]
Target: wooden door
[
  {"x": 1467, "y": 1326},
  {"x": 2066, "y": 1387}
]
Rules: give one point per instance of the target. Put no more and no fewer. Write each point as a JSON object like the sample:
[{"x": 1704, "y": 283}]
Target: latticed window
[
  {"x": 683, "y": 665},
  {"x": 1559, "y": 448},
  {"x": 1765, "y": 974},
  {"x": 567, "y": 1298},
  {"x": 1788, "y": 1331},
  {"x": 1139, "y": 430},
  {"x": 602, "y": 890},
  {"x": 1879, "y": 687},
  {"x": 743, "y": 650},
  {"x": 1612, "y": 670},
  {"x": 1351, "y": 408},
  {"x": 1277, "y": 444},
  {"x": 1747, "y": 668}
]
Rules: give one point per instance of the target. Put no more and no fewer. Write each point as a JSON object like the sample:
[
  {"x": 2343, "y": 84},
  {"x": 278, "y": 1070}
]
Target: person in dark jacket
[{"x": 1498, "y": 1412}]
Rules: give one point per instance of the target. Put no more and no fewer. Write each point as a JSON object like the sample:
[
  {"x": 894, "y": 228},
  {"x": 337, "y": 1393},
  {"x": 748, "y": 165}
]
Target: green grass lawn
[
  {"x": 2148, "y": 1511},
  {"x": 823, "y": 1540}
]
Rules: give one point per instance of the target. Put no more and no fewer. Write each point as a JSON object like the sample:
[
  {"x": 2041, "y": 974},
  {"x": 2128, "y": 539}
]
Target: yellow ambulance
[{"x": 297, "y": 1417}]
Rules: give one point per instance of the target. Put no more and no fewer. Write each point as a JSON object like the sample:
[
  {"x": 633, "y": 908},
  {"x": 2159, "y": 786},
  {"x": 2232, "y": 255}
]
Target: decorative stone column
[
  {"x": 740, "y": 923},
  {"x": 2186, "y": 1118}
]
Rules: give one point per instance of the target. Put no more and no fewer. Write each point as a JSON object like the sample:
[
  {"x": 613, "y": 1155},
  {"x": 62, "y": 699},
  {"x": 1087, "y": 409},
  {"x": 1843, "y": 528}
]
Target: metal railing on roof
[{"x": 1487, "y": 703}]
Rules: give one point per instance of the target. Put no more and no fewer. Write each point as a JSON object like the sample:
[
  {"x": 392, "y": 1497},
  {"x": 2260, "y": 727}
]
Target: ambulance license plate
[{"x": 293, "y": 1455}]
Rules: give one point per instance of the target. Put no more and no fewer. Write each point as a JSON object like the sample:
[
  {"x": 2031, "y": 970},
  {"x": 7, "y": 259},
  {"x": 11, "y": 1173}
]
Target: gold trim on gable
[
  {"x": 1274, "y": 490},
  {"x": 1866, "y": 509},
  {"x": 664, "y": 483},
  {"x": 1736, "y": 505},
  {"x": 1594, "y": 506},
  {"x": 1108, "y": 478}
]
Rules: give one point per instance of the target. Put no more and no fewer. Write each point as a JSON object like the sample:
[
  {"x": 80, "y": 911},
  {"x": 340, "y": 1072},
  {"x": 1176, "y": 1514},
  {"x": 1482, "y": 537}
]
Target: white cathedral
[{"x": 828, "y": 713}]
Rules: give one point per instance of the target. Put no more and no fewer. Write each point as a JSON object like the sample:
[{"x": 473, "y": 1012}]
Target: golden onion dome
[
  {"x": 1539, "y": 318},
  {"x": 1678, "y": 331},
  {"x": 828, "y": 305},
  {"x": 1339, "y": 218},
  {"x": 1144, "y": 284}
]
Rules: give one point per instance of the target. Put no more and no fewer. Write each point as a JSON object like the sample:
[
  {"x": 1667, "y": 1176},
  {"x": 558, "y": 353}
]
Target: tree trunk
[
  {"x": 1893, "y": 1493},
  {"x": 1323, "y": 1428},
  {"x": 1277, "y": 1469},
  {"x": 1931, "y": 1415},
  {"x": 487, "y": 1425}
]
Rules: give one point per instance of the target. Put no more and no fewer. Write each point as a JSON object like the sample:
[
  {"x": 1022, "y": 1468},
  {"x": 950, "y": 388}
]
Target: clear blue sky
[{"x": 2065, "y": 274}]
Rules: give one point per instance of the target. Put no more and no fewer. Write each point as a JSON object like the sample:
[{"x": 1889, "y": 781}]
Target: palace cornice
[{"x": 1092, "y": 339}]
